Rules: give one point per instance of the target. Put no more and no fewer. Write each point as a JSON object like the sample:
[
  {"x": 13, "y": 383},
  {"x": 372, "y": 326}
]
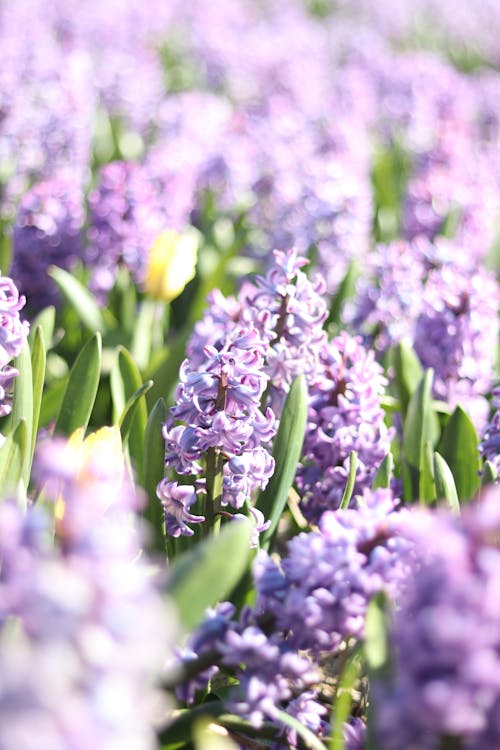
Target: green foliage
[
  {"x": 459, "y": 448},
  {"x": 153, "y": 472},
  {"x": 286, "y": 452},
  {"x": 207, "y": 572},
  {"x": 81, "y": 390}
]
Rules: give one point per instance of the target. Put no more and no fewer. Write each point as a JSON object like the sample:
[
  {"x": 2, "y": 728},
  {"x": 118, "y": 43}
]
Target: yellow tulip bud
[{"x": 171, "y": 263}]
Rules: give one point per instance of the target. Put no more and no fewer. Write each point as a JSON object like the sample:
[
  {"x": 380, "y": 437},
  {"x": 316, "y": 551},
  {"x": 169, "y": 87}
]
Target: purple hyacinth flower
[
  {"x": 47, "y": 231},
  {"x": 176, "y": 500}
]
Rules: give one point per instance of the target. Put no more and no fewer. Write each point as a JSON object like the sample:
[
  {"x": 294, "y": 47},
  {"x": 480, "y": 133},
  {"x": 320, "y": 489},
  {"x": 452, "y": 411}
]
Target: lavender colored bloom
[
  {"x": 13, "y": 333},
  {"x": 126, "y": 215},
  {"x": 320, "y": 592},
  {"x": 47, "y": 231},
  {"x": 354, "y": 734},
  {"x": 288, "y": 311},
  {"x": 176, "y": 501},
  {"x": 75, "y": 603},
  {"x": 490, "y": 444},
  {"x": 457, "y": 333},
  {"x": 219, "y": 403},
  {"x": 445, "y": 637},
  {"x": 389, "y": 294},
  {"x": 344, "y": 415}
]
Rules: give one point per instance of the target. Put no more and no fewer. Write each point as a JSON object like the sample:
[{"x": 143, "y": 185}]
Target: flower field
[{"x": 249, "y": 375}]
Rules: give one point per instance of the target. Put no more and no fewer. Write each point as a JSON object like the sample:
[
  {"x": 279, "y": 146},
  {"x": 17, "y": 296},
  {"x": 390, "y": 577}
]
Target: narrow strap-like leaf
[
  {"x": 351, "y": 481},
  {"x": 286, "y": 452},
  {"x": 22, "y": 406},
  {"x": 445, "y": 484},
  {"x": 459, "y": 448},
  {"x": 208, "y": 571},
  {"x": 384, "y": 473},
  {"x": 81, "y": 391},
  {"x": 153, "y": 471},
  {"x": 13, "y": 457},
  {"x": 82, "y": 301},
  {"x": 38, "y": 361}
]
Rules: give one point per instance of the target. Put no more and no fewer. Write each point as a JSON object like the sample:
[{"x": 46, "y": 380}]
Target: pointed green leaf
[
  {"x": 459, "y": 448},
  {"x": 126, "y": 381},
  {"x": 343, "y": 701},
  {"x": 445, "y": 485},
  {"x": 489, "y": 474},
  {"x": 80, "y": 393},
  {"x": 286, "y": 452},
  {"x": 376, "y": 647},
  {"x": 407, "y": 372},
  {"x": 22, "y": 405},
  {"x": 13, "y": 458},
  {"x": 345, "y": 291},
  {"x": 351, "y": 481},
  {"x": 80, "y": 299},
  {"x": 384, "y": 473},
  {"x": 421, "y": 423},
  {"x": 154, "y": 471},
  {"x": 208, "y": 571},
  {"x": 51, "y": 401},
  {"x": 426, "y": 485},
  {"x": 38, "y": 361},
  {"x": 46, "y": 321},
  {"x": 130, "y": 410}
]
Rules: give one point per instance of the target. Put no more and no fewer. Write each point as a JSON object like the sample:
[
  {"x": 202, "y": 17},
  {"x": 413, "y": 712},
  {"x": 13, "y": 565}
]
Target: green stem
[{"x": 215, "y": 463}]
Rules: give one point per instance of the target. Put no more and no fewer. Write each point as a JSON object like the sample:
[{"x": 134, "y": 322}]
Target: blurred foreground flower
[
  {"x": 83, "y": 630},
  {"x": 171, "y": 263}
]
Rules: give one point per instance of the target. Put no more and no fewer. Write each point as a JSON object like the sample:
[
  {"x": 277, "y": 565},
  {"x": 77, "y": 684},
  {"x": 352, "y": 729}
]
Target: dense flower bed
[{"x": 249, "y": 381}]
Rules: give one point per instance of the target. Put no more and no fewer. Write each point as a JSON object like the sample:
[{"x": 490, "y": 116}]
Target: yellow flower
[{"x": 171, "y": 263}]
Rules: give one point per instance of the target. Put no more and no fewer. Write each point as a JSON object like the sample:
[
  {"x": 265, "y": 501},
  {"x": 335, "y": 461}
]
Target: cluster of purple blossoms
[
  {"x": 47, "y": 231},
  {"x": 13, "y": 333},
  {"x": 345, "y": 415},
  {"x": 78, "y": 664},
  {"x": 126, "y": 215},
  {"x": 456, "y": 334},
  {"x": 320, "y": 591},
  {"x": 490, "y": 444},
  {"x": 286, "y": 308},
  {"x": 219, "y": 408},
  {"x": 444, "y": 688},
  {"x": 306, "y": 606}
]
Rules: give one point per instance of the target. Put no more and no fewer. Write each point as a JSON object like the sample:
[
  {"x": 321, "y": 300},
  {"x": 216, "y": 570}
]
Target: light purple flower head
[
  {"x": 345, "y": 414},
  {"x": 47, "y": 231},
  {"x": 444, "y": 639},
  {"x": 13, "y": 333},
  {"x": 126, "y": 215},
  {"x": 456, "y": 334}
]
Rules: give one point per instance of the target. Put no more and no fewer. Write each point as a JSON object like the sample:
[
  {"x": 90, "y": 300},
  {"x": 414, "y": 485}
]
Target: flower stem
[{"x": 214, "y": 490}]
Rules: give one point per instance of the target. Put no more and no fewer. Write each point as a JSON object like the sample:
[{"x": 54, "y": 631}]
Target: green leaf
[
  {"x": 421, "y": 424},
  {"x": 426, "y": 485},
  {"x": 343, "y": 701},
  {"x": 51, "y": 401},
  {"x": 154, "y": 471},
  {"x": 459, "y": 448},
  {"x": 22, "y": 406},
  {"x": 13, "y": 457},
  {"x": 46, "y": 321},
  {"x": 131, "y": 408},
  {"x": 126, "y": 382},
  {"x": 445, "y": 484},
  {"x": 207, "y": 572},
  {"x": 286, "y": 452},
  {"x": 80, "y": 393},
  {"x": 407, "y": 373},
  {"x": 489, "y": 474},
  {"x": 38, "y": 361},
  {"x": 384, "y": 473},
  {"x": 80, "y": 299},
  {"x": 345, "y": 292},
  {"x": 206, "y": 738},
  {"x": 376, "y": 647},
  {"x": 351, "y": 481}
]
